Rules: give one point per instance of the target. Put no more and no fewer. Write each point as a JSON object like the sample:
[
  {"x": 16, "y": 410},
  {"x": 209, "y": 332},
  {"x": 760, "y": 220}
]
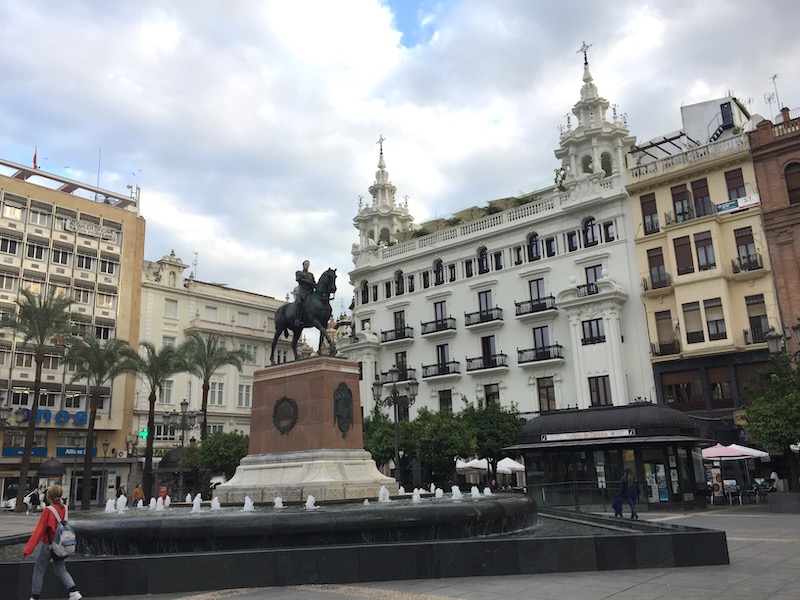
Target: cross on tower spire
[
  {"x": 584, "y": 48},
  {"x": 380, "y": 141}
]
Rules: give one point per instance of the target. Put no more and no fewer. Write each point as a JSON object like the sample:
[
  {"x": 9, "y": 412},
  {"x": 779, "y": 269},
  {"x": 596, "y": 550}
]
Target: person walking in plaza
[
  {"x": 42, "y": 536},
  {"x": 629, "y": 489}
]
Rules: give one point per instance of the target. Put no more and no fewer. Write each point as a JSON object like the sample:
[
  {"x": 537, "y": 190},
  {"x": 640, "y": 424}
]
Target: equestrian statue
[{"x": 311, "y": 308}]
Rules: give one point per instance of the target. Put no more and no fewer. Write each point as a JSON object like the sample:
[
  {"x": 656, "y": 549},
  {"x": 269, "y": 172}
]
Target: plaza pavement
[{"x": 764, "y": 551}]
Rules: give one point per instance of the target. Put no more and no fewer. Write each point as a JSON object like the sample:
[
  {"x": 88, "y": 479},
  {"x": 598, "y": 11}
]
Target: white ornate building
[{"x": 534, "y": 303}]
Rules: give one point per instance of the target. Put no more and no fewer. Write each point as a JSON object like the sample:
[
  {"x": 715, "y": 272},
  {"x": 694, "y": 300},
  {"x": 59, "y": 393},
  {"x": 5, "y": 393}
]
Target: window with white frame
[
  {"x": 34, "y": 287},
  {"x": 252, "y": 350},
  {"x": 47, "y": 399},
  {"x": 8, "y": 245},
  {"x": 166, "y": 392},
  {"x": 243, "y": 319},
  {"x": 211, "y": 314},
  {"x": 19, "y": 398},
  {"x": 84, "y": 262},
  {"x": 61, "y": 256},
  {"x": 170, "y": 308},
  {"x": 51, "y": 362},
  {"x": 109, "y": 267},
  {"x": 168, "y": 341},
  {"x": 73, "y": 400},
  {"x": 281, "y": 356},
  {"x": 216, "y": 392},
  {"x": 82, "y": 295},
  {"x": 36, "y": 251},
  {"x": 4, "y": 356},
  {"x": 8, "y": 283},
  {"x": 106, "y": 300},
  {"x": 212, "y": 429},
  {"x": 24, "y": 359},
  {"x": 36, "y": 217},
  {"x": 13, "y": 212},
  {"x": 164, "y": 433},
  {"x": 60, "y": 289},
  {"x": 103, "y": 332},
  {"x": 245, "y": 395}
]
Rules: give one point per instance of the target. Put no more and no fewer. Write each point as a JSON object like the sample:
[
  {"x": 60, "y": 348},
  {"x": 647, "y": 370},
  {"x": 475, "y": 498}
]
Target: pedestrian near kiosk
[
  {"x": 138, "y": 494},
  {"x": 42, "y": 536},
  {"x": 629, "y": 489}
]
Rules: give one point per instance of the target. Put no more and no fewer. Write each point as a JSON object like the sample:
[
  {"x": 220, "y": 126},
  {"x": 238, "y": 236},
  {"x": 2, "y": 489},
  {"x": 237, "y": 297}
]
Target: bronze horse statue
[{"x": 316, "y": 312}]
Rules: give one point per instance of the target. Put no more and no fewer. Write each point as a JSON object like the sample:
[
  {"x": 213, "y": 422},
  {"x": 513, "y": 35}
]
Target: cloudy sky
[{"x": 251, "y": 126}]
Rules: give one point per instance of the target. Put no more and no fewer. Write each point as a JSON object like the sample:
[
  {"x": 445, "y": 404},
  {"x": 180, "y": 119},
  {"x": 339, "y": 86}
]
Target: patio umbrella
[
  {"x": 750, "y": 451},
  {"x": 732, "y": 452},
  {"x": 511, "y": 465}
]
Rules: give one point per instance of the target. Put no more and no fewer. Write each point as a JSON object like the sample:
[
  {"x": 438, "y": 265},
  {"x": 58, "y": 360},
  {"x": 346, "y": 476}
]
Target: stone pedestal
[{"x": 305, "y": 437}]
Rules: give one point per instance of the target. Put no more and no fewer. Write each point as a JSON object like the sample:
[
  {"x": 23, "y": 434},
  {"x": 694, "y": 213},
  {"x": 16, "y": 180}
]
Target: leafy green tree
[
  {"x": 154, "y": 368},
  {"x": 379, "y": 436},
  {"x": 773, "y": 415},
  {"x": 438, "y": 438},
  {"x": 221, "y": 452},
  {"x": 203, "y": 358},
  {"x": 495, "y": 427},
  {"x": 41, "y": 320},
  {"x": 97, "y": 363}
]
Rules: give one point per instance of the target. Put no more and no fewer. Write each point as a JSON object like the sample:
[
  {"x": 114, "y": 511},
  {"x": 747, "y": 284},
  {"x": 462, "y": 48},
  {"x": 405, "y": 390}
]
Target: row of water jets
[{"x": 121, "y": 504}]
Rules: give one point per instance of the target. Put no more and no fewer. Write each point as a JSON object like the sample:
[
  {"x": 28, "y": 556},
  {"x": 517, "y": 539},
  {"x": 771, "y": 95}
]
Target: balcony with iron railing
[
  {"x": 588, "y": 289},
  {"x": 491, "y": 361},
  {"x": 531, "y": 307},
  {"x": 695, "y": 337},
  {"x": 665, "y": 348},
  {"x": 755, "y": 335},
  {"x": 441, "y": 369},
  {"x": 489, "y": 315},
  {"x": 438, "y": 326},
  {"x": 751, "y": 262},
  {"x": 542, "y": 353},
  {"x": 395, "y": 335},
  {"x": 397, "y": 375},
  {"x": 674, "y": 217},
  {"x": 661, "y": 283}
]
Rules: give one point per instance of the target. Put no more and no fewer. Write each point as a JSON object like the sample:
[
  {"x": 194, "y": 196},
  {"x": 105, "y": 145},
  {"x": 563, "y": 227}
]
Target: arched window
[
  {"x": 605, "y": 163},
  {"x": 438, "y": 272},
  {"x": 399, "y": 283},
  {"x": 590, "y": 237},
  {"x": 587, "y": 164},
  {"x": 364, "y": 292},
  {"x": 792, "y": 176},
  {"x": 483, "y": 260},
  {"x": 534, "y": 249},
  {"x": 384, "y": 235}
]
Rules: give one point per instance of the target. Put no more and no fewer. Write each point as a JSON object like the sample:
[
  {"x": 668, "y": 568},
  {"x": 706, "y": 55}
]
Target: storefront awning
[{"x": 621, "y": 441}]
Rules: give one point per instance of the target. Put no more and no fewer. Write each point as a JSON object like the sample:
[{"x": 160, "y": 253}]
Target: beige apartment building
[
  {"x": 702, "y": 252},
  {"x": 88, "y": 243},
  {"x": 173, "y": 303}
]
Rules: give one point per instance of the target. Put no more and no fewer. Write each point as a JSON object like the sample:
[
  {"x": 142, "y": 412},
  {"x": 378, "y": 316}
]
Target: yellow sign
[{"x": 740, "y": 417}]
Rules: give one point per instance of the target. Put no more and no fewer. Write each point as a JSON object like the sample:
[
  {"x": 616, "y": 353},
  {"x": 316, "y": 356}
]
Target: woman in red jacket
[{"x": 44, "y": 532}]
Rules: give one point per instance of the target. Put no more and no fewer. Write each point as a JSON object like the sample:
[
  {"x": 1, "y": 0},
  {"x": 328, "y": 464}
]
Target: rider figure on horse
[{"x": 305, "y": 286}]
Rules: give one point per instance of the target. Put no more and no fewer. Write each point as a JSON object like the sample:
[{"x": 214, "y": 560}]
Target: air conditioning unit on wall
[{"x": 122, "y": 454}]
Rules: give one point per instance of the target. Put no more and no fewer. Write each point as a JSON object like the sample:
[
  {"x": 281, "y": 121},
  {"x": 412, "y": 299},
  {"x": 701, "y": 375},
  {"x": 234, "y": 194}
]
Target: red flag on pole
[{"x": 35, "y": 148}]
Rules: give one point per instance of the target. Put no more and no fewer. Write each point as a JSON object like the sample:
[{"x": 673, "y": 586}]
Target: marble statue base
[
  {"x": 293, "y": 476},
  {"x": 305, "y": 437}
]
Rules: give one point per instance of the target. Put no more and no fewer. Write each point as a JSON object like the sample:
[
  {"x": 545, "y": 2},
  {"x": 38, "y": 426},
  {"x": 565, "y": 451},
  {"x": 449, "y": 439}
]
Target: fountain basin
[{"x": 327, "y": 525}]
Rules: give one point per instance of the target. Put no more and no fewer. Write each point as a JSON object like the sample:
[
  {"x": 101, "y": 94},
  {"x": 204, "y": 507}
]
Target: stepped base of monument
[{"x": 293, "y": 476}]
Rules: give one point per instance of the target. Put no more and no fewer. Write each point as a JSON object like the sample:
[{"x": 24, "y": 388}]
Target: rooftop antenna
[
  {"x": 769, "y": 98},
  {"x": 194, "y": 264},
  {"x": 777, "y": 98},
  {"x": 99, "y": 156}
]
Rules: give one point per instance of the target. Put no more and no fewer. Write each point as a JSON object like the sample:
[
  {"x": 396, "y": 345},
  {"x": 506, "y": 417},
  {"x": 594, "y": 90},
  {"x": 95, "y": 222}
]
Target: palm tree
[
  {"x": 97, "y": 363},
  {"x": 40, "y": 321},
  {"x": 204, "y": 357},
  {"x": 154, "y": 368}
]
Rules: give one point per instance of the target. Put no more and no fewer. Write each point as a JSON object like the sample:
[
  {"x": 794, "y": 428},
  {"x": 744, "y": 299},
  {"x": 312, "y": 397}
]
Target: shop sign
[
  {"x": 587, "y": 435},
  {"x": 72, "y": 451},
  {"x": 89, "y": 229},
  {"x": 62, "y": 417},
  {"x": 19, "y": 450},
  {"x": 738, "y": 203}
]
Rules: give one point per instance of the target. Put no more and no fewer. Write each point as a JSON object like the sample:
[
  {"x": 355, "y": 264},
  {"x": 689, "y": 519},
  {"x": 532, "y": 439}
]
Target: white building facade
[{"x": 534, "y": 305}]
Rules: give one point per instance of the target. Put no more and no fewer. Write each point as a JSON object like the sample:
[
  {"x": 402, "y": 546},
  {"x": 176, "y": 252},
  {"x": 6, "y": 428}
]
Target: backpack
[{"x": 65, "y": 540}]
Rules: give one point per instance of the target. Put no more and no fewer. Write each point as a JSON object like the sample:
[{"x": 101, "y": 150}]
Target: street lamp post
[
  {"x": 185, "y": 420},
  {"x": 105, "y": 474},
  {"x": 394, "y": 399}
]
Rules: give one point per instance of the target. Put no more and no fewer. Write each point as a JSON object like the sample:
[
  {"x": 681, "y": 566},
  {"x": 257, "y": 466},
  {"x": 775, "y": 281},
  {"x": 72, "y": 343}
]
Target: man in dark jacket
[{"x": 629, "y": 489}]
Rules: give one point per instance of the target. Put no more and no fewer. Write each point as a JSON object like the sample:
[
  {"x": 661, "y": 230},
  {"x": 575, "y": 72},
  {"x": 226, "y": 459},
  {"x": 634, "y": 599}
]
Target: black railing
[
  {"x": 665, "y": 348},
  {"x": 588, "y": 289},
  {"x": 540, "y": 353},
  {"x": 483, "y": 316},
  {"x": 449, "y": 368},
  {"x": 527, "y": 307},
  {"x": 597, "y": 339},
  {"x": 695, "y": 337},
  {"x": 755, "y": 336},
  {"x": 651, "y": 226},
  {"x": 679, "y": 216},
  {"x": 487, "y": 362},
  {"x": 664, "y": 280},
  {"x": 438, "y": 325},
  {"x": 751, "y": 262},
  {"x": 402, "y": 375},
  {"x": 401, "y": 333}
]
